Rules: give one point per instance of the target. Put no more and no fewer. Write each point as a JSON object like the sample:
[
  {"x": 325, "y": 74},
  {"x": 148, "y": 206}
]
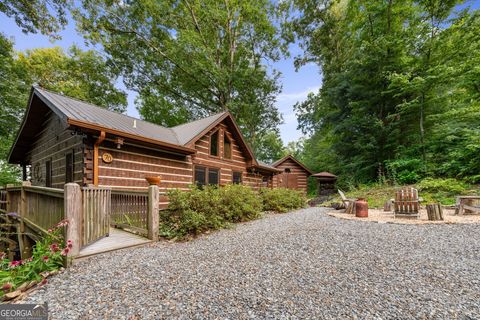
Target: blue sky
[{"x": 296, "y": 85}]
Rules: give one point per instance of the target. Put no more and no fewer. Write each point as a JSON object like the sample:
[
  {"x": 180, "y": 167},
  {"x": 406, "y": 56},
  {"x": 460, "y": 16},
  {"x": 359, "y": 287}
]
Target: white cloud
[
  {"x": 285, "y": 102},
  {"x": 294, "y": 97}
]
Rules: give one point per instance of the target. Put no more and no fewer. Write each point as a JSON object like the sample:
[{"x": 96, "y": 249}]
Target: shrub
[
  {"x": 405, "y": 171},
  {"x": 282, "y": 199},
  {"x": 48, "y": 255},
  {"x": 209, "y": 208},
  {"x": 450, "y": 186},
  {"x": 240, "y": 203},
  {"x": 442, "y": 190}
]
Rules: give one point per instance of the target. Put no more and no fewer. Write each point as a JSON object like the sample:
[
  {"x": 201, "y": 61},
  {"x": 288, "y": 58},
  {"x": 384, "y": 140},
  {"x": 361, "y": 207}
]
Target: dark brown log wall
[
  {"x": 52, "y": 143},
  {"x": 297, "y": 171},
  {"x": 238, "y": 161}
]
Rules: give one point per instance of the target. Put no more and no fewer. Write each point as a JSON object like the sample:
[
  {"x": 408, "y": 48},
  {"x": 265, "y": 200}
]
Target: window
[
  {"x": 213, "y": 176},
  {"x": 227, "y": 148},
  {"x": 69, "y": 167},
  {"x": 265, "y": 181},
  {"x": 287, "y": 170},
  {"x": 204, "y": 176},
  {"x": 214, "y": 144},
  {"x": 200, "y": 176},
  {"x": 237, "y": 177},
  {"x": 48, "y": 173}
]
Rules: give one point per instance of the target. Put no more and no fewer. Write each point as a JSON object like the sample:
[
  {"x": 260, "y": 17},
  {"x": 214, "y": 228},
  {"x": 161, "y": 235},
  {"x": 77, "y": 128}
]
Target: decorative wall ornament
[{"x": 107, "y": 157}]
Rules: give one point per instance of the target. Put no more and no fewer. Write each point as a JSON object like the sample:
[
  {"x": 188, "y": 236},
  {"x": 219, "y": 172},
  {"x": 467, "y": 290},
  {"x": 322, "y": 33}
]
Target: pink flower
[
  {"x": 54, "y": 247},
  {"x": 69, "y": 244},
  {"x": 65, "y": 252},
  {"x": 62, "y": 223},
  {"x": 45, "y": 258},
  {"x": 50, "y": 230},
  {"x": 7, "y": 286},
  {"x": 44, "y": 281},
  {"x": 14, "y": 264}
]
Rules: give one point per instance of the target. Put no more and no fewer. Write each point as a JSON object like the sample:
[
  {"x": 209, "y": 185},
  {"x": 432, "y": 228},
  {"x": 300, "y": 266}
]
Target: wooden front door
[
  {"x": 289, "y": 180},
  {"x": 96, "y": 214}
]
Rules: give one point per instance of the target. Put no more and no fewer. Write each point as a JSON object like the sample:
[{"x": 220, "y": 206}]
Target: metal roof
[
  {"x": 324, "y": 174},
  {"x": 188, "y": 131},
  {"x": 83, "y": 111}
]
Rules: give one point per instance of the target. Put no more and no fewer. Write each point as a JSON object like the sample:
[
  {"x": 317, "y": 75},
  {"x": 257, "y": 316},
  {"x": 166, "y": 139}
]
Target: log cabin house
[
  {"x": 62, "y": 139},
  {"x": 294, "y": 174}
]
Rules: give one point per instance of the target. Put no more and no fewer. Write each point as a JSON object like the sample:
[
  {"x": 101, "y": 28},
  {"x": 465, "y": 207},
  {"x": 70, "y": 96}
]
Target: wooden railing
[
  {"x": 90, "y": 211},
  {"x": 40, "y": 206},
  {"x": 129, "y": 209},
  {"x": 3, "y": 201}
]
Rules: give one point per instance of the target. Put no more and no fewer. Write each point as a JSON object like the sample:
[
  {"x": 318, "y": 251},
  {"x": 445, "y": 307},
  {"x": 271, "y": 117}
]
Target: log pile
[{"x": 434, "y": 212}]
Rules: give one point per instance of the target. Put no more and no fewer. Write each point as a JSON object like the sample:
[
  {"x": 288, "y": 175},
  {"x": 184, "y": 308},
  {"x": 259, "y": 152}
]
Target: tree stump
[
  {"x": 387, "y": 206},
  {"x": 434, "y": 212}
]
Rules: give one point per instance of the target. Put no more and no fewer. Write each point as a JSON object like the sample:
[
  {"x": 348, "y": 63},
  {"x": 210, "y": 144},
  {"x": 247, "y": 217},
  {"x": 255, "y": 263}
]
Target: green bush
[
  {"x": 405, "y": 171},
  {"x": 240, "y": 203},
  {"x": 450, "y": 186},
  {"x": 282, "y": 199},
  {"x": 209, "y": 208},
  {"x": 442, "y": 190}
]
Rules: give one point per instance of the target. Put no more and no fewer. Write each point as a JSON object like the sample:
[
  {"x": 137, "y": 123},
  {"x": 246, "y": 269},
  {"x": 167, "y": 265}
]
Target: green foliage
[
  {"x": 405, "y": 171},
  {"x": 48, "y": 255},
  {"x": 80, "y": 74},
  {"x": 187, "y": 59},
  {"x": 450, "y": 186},
  {"x": 209, "y": 208},
  {"x": 212, "y": 208},
  {"x": 399, "y": 96},
  {"x": 45, "y": 16},
  {"x": 282, "y": 199}
]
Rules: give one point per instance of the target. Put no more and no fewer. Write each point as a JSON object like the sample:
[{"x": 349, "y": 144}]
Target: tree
[
  {"x": 13, "y": 94},
  {"x": 45, "y": 16},
  {"x": 79, "y": 74},
  {"x": 397, "y": 76},
  {"x": 270, "y": 147},
  {"x": 187, "y": 59}
]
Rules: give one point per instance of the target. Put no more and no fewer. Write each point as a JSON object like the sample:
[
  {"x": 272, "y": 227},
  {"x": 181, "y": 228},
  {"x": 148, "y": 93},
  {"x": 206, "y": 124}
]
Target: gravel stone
[{"x": 300, "y": 265}]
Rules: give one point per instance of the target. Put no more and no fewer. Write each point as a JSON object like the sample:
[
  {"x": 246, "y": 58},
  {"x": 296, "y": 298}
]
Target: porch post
[
  {"x": 153, "y": 212},
  {"x": 73, "y": 213}
]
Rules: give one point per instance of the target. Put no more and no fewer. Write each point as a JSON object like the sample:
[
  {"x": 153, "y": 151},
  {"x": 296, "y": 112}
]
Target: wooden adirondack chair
[
  {"x": 406, "y": 203},
  {"x": 348, "y": 203}
]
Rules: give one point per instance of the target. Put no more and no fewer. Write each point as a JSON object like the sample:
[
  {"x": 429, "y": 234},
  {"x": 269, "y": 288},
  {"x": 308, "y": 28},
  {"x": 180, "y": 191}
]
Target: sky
[{"x": 296, "y": 85}]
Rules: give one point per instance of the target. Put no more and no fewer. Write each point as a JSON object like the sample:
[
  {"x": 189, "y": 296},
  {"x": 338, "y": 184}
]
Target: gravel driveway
[{"x": 303, "y": 264}]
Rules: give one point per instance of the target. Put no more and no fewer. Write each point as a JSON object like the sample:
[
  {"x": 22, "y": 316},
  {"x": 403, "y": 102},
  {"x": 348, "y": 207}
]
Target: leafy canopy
[{"x": 192, "y": 58}]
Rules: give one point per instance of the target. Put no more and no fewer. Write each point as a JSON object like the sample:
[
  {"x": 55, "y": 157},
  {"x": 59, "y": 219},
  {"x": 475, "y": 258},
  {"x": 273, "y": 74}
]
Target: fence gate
[{"x": 96, "y": 213}]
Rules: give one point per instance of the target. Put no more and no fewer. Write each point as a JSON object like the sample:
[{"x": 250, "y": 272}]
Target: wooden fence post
[
  {"x": 153, "y": 212},
  {"x": 73, "y": 213}
]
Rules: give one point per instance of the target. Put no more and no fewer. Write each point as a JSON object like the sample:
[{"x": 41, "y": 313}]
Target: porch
[
  {"x": 117, "y": 239},
  {"x": 128, "y": 217}
]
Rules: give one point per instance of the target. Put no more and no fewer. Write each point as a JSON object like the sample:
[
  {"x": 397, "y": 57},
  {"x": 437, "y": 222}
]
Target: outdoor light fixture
[{"x": 119, "y": 142}]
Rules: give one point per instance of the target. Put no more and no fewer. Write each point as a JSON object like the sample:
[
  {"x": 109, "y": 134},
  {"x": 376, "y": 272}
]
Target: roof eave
[{"x": 96, "y": 127}]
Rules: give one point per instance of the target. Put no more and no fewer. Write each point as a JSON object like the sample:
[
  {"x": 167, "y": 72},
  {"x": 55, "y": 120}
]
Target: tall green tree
[
  {"x": 45, "y": 16},
  {"x": 76, "y": 73},
  {"x": 190, "y": 58},
  {"x": 385, "y": 105},
  {"x": 81, "y": 74},
  {"x": 13, "y": 96}
]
